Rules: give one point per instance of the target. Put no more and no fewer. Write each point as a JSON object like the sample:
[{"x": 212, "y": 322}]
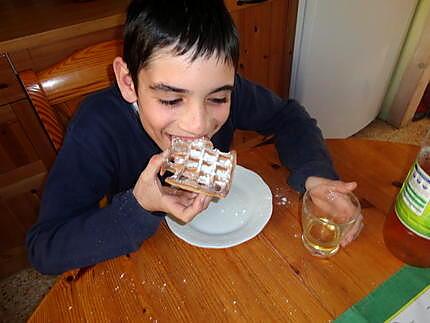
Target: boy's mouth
[{"x": 186, "y": 138}]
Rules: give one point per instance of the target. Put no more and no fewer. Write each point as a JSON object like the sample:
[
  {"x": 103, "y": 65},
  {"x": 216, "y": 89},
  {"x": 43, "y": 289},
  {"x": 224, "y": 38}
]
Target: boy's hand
[
  {"x": 152, "y": 196},
  {"x": 341, "y": 187},
  {"x": 338, "y": 186}
]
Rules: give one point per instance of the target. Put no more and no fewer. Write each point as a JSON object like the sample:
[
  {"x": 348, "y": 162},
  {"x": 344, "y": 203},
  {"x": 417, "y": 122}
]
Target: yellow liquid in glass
[{"x": 321, "y": 237}]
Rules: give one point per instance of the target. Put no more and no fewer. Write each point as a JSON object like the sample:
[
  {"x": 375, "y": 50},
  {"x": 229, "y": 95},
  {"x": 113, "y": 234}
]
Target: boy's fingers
[
  {"x": 187, "y": 213},
  {"x": 205, "y": 202},
  {"x": 154, "y": 165},
  {"x": 342, "y": 187},
  {"x": 354, "y": 232},
  {"x": 347, "y": 187},
  {"x": 164, "y": 155},
  {"x": 323, "y": 184},
  {"x": 195, "y": 208},
  {"x": 179, "y": 192}
]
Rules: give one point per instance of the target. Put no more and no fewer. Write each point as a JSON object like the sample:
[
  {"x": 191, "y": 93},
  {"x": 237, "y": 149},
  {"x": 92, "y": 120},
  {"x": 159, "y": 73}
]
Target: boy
[{"x": 177, "y": 78}]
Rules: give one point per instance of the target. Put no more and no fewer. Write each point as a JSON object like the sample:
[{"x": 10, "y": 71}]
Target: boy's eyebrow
[
  {"x": 169, "y": 88},
  {"x": 227, "y": 87}
]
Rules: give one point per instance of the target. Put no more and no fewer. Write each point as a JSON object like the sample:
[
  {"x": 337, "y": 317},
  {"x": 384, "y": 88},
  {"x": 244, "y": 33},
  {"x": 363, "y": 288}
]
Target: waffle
[{"x": 198, "y": 167}]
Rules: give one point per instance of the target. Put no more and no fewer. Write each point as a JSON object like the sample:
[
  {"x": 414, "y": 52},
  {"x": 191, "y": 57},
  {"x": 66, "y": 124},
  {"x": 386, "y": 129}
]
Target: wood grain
[
  {"x": 43, "y": 22},
  {"x": 41, "y": 56},
  {"x": 55, "y": 92},
  {"x": 15, "y": 146},
  {"x": 23, "y": 179},
  {"x": 266, "y": 42},
  {"x": 254, "y": 30},
  {"x": 23, "y": 168},
  {"x": 278, "y": 57},
  {"x": 84, "y": 72},
  {"x": 290, "y": 33},
  {"x": 6, "y": 114},
  {"x": 10, "y": 89},
  {"x": 46, "y": 113},
  {"x": 19, "y": 205},
  {"x": 270, "y": 278},
  {"x": 29, "y": 121}
]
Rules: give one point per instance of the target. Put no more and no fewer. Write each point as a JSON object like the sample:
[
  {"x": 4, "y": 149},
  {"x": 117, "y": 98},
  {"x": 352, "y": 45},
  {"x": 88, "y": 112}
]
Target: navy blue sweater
[{"x": 106, "y": 149}]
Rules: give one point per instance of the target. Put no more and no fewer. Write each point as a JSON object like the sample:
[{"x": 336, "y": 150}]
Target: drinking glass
[{"x": 327, "y": 215}]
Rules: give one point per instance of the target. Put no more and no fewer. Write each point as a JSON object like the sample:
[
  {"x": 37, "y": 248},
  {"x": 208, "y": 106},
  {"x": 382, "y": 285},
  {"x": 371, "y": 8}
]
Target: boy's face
[{"x": 185, "y": 99}]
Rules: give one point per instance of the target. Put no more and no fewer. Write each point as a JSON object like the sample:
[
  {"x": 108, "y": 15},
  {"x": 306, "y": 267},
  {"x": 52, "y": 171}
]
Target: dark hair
[{"x": 203, "y": 26}]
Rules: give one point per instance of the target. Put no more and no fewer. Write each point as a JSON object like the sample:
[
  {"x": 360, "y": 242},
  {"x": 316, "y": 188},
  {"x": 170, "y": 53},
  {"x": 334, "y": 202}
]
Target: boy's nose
[{"x": 196, "y": 121}]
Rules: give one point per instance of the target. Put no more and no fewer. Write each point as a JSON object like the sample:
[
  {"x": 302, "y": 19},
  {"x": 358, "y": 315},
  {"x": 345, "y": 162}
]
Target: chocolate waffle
[{"x": 198, "y": 167}]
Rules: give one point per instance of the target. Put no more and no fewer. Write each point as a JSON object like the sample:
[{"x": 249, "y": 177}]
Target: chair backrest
[{"x": 56, "y": 91}]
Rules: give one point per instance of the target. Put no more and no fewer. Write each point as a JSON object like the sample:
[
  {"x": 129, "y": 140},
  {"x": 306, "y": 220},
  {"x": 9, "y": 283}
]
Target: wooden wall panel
[
  {"x": 19, "y": 206},
  {"x": 10, "y": 90},
  {"x": 278, "y": 26},
  {"x": 13, "y": 255},
  {"x": 12, "y": 234},
  {"x": 25, "y": 208},
  {"x": 41, "y": 57},
  {"x": 6, "y": 163},
  {"x": 293, "y": 6},
  {"x": 6, "y": 114},
  {"x": 16, "y": 145},
  {"x": 267, "y": 40},
  {"x": 254, "y": 29},
  {"x": 25, "y": 154},
  {"x": 39, "y": 139},
  {"x": 28, "y": 178},
  {"x": 9, "y": 238}
]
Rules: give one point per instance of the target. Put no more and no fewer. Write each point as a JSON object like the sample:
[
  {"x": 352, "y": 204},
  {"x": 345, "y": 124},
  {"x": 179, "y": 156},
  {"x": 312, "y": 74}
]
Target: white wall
[{"x": 345, "y": 53}]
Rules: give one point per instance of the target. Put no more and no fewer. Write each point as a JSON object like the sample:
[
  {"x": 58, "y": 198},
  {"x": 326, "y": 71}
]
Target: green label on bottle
[{"x": 412, "y": 203}]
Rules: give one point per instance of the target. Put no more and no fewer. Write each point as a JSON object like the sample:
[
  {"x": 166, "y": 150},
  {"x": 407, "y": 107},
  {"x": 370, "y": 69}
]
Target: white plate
[{"x": 232, "y": 220}]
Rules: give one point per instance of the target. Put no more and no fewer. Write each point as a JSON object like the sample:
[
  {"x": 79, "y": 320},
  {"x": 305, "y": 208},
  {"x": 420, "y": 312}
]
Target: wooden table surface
[{"x": 270, "y": 278}]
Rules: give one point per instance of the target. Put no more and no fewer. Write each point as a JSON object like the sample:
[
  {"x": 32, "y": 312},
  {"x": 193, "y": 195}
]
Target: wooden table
[{"x": 270, "y": 278}]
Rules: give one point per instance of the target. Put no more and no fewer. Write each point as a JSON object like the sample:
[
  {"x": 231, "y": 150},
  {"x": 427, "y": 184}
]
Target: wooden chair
[{"x": 56, "y": 91}]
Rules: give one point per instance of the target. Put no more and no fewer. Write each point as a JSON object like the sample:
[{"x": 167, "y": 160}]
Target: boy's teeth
[{"x": 185, "y": 138}]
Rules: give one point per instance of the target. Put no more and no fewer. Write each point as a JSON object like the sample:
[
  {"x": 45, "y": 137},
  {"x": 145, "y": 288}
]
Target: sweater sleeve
[
  {"x": 72, "y": 231},
  {"x": 298, "y": 139}
]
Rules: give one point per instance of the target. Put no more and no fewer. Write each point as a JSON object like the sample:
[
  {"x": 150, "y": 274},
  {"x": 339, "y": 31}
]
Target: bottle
[{"x": 407, "y": 227}]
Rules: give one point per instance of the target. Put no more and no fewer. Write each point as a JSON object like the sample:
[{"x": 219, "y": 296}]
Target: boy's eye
[
  {"x": 170, "y": 102},
  {"x": 218, "y": 100}
]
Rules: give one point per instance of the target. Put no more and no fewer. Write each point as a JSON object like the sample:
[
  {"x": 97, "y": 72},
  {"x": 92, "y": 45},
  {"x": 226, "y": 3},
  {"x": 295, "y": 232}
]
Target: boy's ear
[{"x": 124, "y": 80}]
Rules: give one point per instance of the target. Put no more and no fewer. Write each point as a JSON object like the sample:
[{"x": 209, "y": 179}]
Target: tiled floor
[
  {"x": 21, "y": 292},
  {"x": 380, "y": 130}
]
